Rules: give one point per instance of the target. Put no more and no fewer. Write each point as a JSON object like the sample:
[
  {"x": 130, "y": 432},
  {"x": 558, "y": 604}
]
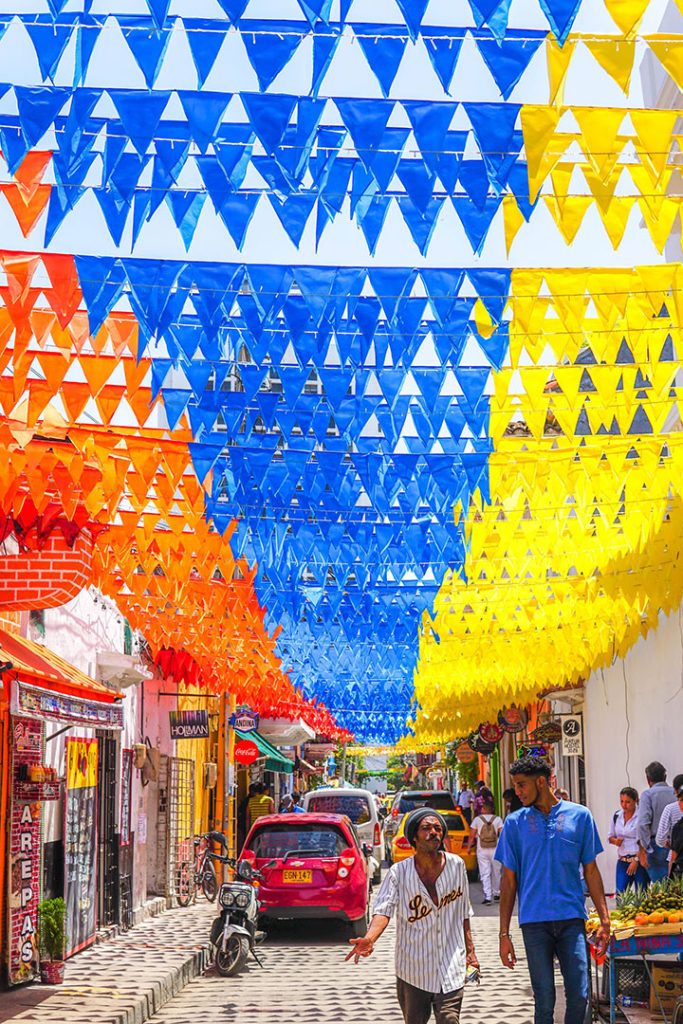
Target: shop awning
[
  {"x": 275, "y": 760},
  {"x": 46, "y": 686}
]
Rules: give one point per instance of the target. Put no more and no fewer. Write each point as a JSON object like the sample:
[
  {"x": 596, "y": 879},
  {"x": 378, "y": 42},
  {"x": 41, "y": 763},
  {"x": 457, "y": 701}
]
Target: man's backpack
[{"x": 488, "y": 837}]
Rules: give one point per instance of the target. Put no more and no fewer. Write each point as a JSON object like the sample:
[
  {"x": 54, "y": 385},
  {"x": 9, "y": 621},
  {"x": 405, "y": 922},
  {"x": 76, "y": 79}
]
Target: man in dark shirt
[
  {"x": 653, "y": 858},
  {"x": 677, "y": 841}
]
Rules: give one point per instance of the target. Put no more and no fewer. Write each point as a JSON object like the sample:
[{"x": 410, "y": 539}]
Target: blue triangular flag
[
  {"x": 38, "y": 106},
  {"x": 237, "y": 211},
  {"x": 148, "y": 46},
  {"x": 234, "y": 8},
  {"x": 175, "y": 402},
  {"x": 270, "y": 46},
  {"x": 493, "y": 125},
  {"x": 205, "y": 43},
  {"x": 140, "y": 114},
  {"x": 88, "y": 34},
  {"x": 159, "y": 9},
  {"x": 443, "y": 288},
  {"x": 382, "y": 164},
  {"x": 293, "y": 212},
  {"x": 12, "y": 142},
  {"x": 115, "y": 211},
  {"x": 233, "y": 148},
  {"x": 204, "y": 458},
  {"x": 560, "y": 15},
  {"x": 421, "y": 222},
  {"x": 508, "y": 59},
  {"x": 366, "y": 121},
  {"x": 493, "y": 13},
  {"x": 101, "y": 279},
  {"x": 185, "y": 207},
  {"x": 418, "y": 182},
  {"x": 324, "y": 48},
  {"x": 413, "y": 12},
  {"x": 204, "y": 111},
  {"x": 269, "y": 116},
  {"x": 476, "y": 220},
  {"x": 384, "y": 47},
  {"x": 316, "y": 10},
  {"x": 443, "y": 51},
  {"x": 474, "y": 179},
  {"x": 391, "y": 284},
  {"x": 50, "y": 39},
  {"x": 493, "y": 288},
  {"x": 151, "y": 284}
]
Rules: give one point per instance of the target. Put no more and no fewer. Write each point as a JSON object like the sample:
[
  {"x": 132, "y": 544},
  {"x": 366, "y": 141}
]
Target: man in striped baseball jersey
[{"x": 429, "y": 896}]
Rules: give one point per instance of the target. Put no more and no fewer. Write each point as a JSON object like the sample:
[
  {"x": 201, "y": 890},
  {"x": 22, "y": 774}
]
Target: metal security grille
[
  {"x": 107, "y": 852},
  {"x": 180, "y": 813}
]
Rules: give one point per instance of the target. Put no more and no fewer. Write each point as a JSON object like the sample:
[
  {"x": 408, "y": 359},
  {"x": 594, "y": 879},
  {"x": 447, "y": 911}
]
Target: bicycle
[{"x": 201, "y": 874}]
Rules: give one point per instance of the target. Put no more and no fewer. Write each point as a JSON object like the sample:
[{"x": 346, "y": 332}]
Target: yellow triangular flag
[
  {"x": 660, "y": 227},
  {"x": 569, "y": 216},
  {"x": 669, "y": 53},
  {"x": 559, "y": 59},
  {"x": 512, "y": 220},
  {"x": 615, "y": 56},
  {"x": 615, "y": 218},
  {"x": 600, "y": 128},
  {"x": 627, "y": 14},
  {"x": 654, "y": 130},
  {"x": 538, "y": 127}
]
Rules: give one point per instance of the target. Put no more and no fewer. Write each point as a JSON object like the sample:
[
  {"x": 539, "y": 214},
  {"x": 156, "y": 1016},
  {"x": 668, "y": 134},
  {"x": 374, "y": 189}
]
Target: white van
[{"x": 360, "y": 807}]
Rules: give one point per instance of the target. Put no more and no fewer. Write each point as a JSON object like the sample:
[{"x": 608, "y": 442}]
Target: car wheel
[{"x": 360, "y": 927}]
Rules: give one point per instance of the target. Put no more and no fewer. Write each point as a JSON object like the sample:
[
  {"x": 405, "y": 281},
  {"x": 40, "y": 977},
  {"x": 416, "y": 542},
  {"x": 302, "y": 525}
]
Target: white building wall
[{"x": 633, "y": 715}]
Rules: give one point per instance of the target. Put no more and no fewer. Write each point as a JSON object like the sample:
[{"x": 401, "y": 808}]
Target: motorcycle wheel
[
  {"x": 209, "y": 882},
  {"x": 230, "y": 961},
  {"x": 183, "y": 889}
]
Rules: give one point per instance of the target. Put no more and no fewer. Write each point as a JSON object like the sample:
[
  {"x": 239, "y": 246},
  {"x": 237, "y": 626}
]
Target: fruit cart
[{"x": 647, "y": 924}]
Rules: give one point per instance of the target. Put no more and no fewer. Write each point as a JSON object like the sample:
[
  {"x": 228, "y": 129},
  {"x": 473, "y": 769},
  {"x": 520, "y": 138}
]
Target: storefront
[{"x": 52, "y": 788}]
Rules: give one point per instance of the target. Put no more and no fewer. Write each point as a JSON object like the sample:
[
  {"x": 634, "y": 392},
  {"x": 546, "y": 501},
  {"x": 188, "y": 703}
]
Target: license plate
[{"x": 297, "y": 876}]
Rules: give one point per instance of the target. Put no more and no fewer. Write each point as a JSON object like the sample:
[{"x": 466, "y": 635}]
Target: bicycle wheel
[
  {"x": 183, "y": 888},
  {"x": 209, "y": 880}
]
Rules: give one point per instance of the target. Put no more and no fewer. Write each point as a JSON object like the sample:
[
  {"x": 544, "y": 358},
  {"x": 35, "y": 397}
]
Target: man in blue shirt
[{"x": 542, "y": 847}]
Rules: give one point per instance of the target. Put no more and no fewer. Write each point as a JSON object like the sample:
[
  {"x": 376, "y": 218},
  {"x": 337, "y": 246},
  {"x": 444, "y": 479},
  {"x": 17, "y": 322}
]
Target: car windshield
[
  {"x": 455, "y": 822},
  {"x": 356, "y": 808},
  {"x": 439, "y": 801},
  {"x": 284, "y": 840}
]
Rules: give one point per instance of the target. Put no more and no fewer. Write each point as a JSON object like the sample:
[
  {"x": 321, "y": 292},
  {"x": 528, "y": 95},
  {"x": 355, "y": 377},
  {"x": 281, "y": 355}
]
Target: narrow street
[{"x": 305, "y": 980}]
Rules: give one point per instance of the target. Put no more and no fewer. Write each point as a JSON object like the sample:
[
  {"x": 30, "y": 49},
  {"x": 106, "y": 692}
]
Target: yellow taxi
[{"x": 458, "y": 831}]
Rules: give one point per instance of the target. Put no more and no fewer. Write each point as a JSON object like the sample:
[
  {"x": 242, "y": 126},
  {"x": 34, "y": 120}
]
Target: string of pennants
[{"x": 303, "y": 167}]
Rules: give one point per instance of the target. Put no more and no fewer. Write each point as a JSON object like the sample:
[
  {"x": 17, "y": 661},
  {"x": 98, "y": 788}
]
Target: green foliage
[
  {"x": 51, "y": 918},
  {"x": 468, "y": 773}
]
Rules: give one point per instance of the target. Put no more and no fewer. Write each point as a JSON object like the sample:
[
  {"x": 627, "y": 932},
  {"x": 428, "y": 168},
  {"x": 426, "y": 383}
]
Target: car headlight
[
  {"x": 243, "y": 899},
  {"x": 227, "y": 897}
]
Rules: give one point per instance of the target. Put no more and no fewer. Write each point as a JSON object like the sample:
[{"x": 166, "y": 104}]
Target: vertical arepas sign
[{"x": 24, "y": 869}]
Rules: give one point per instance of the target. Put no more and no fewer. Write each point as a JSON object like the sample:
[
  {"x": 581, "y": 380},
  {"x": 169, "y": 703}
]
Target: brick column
[{"x": 47, "y": 578}]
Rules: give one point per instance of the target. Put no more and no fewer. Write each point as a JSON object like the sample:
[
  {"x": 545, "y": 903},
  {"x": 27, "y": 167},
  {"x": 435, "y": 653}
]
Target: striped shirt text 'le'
[{"x": 430, "y": 939}]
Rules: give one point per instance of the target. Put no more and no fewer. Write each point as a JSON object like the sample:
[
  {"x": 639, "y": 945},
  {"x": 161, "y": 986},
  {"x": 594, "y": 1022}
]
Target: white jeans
[{"x": 489, "y": 872}]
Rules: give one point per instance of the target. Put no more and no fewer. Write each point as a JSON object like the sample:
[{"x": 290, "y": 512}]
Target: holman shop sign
[
  {"x": 189, "y": 725},
  {"x": 244, "y": 719}
]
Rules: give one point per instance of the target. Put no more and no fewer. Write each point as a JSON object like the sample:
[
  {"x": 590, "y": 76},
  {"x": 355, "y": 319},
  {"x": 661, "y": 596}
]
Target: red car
[{"x": 320, "y": 869}]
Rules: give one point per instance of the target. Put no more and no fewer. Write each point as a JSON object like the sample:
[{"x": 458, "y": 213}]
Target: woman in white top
[
  {"x": 624, "y": 835},
  {"x": 485, "y": 830}
]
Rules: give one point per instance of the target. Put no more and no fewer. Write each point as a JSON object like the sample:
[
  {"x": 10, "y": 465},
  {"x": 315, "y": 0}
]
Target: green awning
[{"x": 275, "y": 760}]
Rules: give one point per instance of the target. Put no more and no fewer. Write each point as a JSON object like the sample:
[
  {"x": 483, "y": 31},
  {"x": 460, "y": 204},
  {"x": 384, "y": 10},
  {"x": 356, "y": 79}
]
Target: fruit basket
[{"x": 656, "y": 910}]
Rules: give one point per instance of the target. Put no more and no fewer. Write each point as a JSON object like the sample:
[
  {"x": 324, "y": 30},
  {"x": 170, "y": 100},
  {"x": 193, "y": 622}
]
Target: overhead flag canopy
[{"x": 330, "y": 464}]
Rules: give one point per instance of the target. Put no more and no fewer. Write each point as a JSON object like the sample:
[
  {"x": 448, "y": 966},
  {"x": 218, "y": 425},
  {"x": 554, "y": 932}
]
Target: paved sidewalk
[{"x": 125, "y": 980}]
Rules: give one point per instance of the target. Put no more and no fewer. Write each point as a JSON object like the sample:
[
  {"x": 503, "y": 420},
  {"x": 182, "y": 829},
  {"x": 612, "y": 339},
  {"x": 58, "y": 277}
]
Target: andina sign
[
  {"x": 244, "y": 719},
  {"x": 189, "y": 725}
]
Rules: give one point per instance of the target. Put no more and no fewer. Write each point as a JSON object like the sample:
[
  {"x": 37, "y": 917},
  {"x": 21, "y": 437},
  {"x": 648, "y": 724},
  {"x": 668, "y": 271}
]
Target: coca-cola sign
[{"x": 246, "y": 752}]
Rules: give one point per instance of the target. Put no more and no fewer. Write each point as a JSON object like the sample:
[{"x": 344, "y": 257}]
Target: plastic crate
[{"x": 631, "y": 979}]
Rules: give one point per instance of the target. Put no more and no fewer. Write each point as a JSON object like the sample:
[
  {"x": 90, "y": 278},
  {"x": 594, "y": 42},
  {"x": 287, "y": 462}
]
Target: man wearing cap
[{"x": 429, "y": 897}]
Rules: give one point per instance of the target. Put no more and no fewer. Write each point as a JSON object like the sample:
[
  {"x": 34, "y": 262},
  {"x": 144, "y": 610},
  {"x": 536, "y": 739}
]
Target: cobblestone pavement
[
  {"x": 124, "y": 980},
  {"x": 306, "y": 981}
]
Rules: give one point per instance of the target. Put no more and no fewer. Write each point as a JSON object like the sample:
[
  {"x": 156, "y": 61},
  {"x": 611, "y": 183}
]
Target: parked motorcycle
[{"x": 234, "y": 932}]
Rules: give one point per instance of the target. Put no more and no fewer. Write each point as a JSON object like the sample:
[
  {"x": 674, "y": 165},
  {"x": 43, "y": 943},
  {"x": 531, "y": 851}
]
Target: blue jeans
[
  {"x": 640, "y": 879},
  {"x": 566, "y": 940},
  {"x": 658, "y": 863}
]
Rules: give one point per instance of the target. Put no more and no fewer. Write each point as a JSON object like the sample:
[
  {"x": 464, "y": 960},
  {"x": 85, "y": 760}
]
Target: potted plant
[{"x": 51, "y": 919}]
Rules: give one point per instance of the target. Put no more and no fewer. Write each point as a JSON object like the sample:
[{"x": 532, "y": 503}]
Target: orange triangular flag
[
  {"x": 75, "y": 397},
  {"x": 30, "y": 171},
  {"x": 27, "y": 211},
  {"x": 54, "y": 366},
  {"x": 97, "y": 372}
]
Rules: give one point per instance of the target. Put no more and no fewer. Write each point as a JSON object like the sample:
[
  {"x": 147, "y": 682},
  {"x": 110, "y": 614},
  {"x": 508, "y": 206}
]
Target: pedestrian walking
[
  {"x": 481, "y": 795},
  {"x": 465, "y": 798},
  {"x": 542, "y": 848},
  {"x": 511, "y": 801},
  {"x": 677, "y": 840},
  {"x": 260, "y": 804},
  {"x": 484, "y": 833},
  {"x": 653, "y": 857},
  {"x": 623, "y": 834},
  {"x": 428, "y": 895},
  {"x": 671, "y": 815}
]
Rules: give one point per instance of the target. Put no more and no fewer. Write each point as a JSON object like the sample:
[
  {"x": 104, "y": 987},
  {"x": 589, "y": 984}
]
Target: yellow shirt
[{"x": 257, "y": 807}]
